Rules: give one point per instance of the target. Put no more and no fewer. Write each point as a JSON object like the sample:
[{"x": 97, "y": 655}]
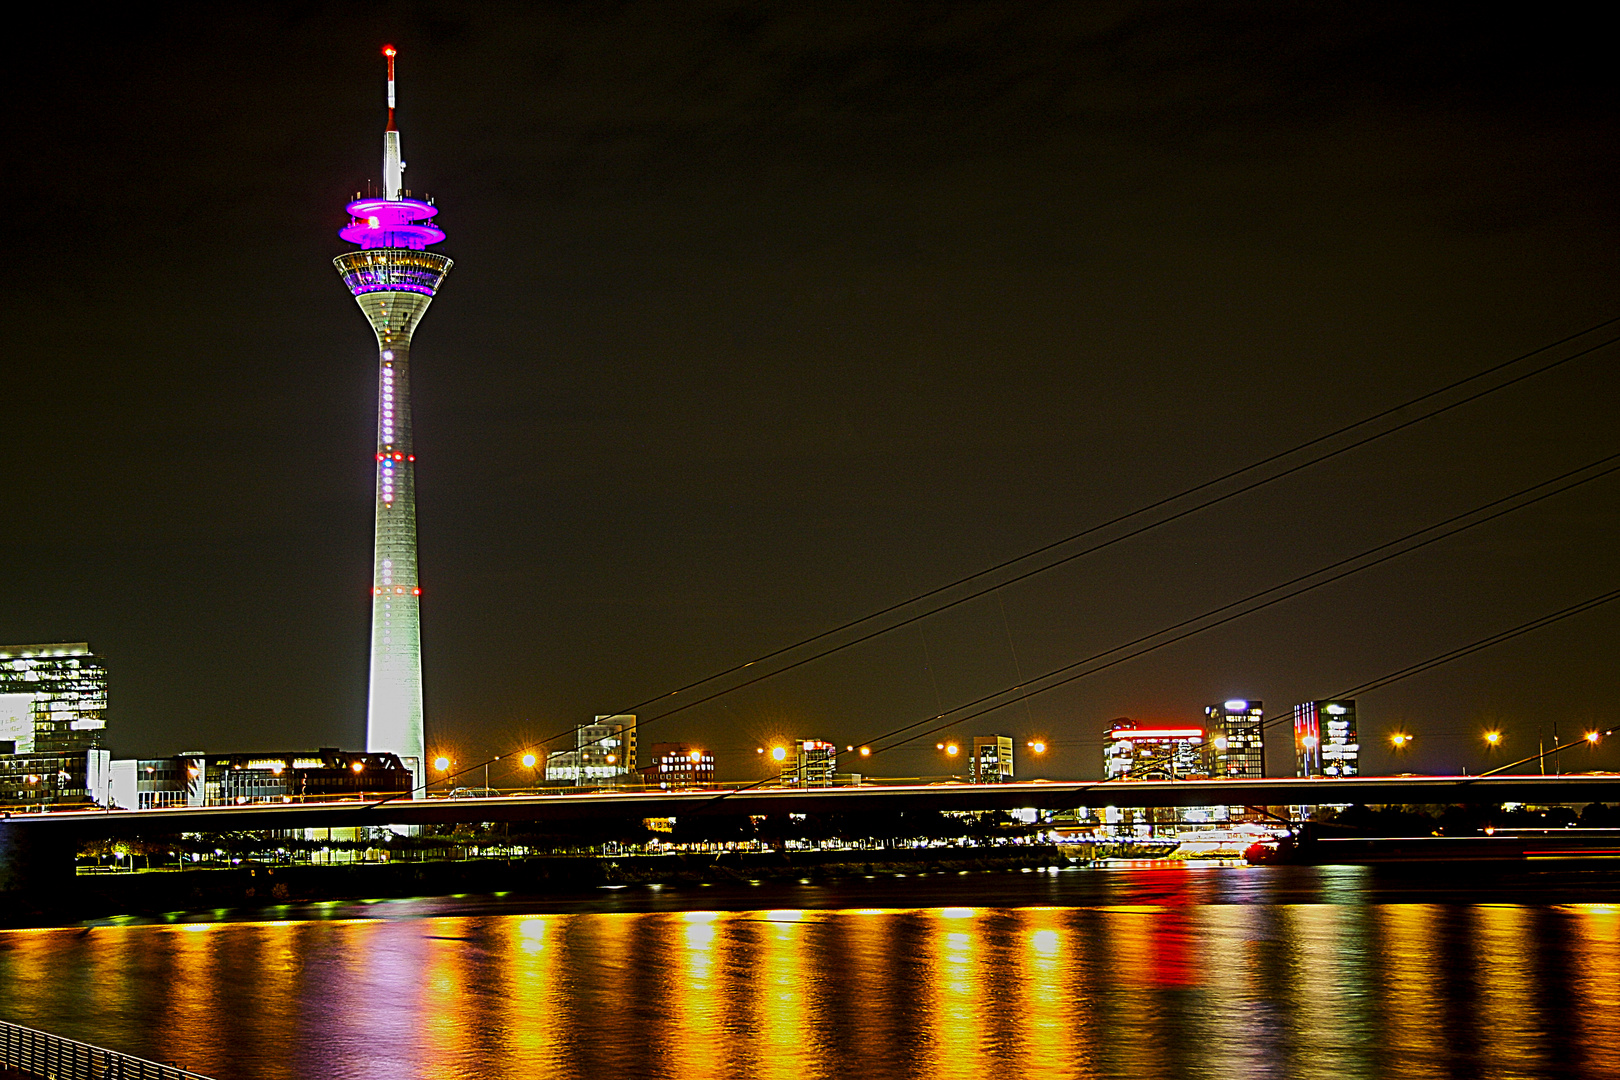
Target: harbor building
[
  {"x": 199, "y": 779},
  {"x": 1237, "y": 739},
  {"x": 1325, "y": 741},
  {"x": 814, "y": 764},
  {"x": 1160, "y": 752},
  {"x": 992, "y": 761},
  {"x": 53, "y": 721},
  {"x": 603, "y": 752},
  {"x": 679, "y": 765}
]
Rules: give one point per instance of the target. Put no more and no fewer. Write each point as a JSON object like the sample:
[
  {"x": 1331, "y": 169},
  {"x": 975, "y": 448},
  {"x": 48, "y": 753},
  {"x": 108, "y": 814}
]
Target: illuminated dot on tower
[{"x": 394, "y": 278}]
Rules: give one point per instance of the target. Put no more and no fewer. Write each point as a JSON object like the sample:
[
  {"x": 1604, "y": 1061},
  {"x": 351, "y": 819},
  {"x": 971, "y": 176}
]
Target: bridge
[{"x": 37, "y": 849}]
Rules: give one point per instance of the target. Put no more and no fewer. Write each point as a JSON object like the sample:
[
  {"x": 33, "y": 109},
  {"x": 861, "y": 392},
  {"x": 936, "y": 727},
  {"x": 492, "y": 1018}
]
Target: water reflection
[{"x": 1171, "y": 987}]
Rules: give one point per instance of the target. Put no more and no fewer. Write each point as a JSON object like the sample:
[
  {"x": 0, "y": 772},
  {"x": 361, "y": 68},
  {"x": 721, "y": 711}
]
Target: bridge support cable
[
  {"x": 1113, "y": 540},
  {"x": 1159, "y": 504},
  {"x": 1258, "y": 601}
]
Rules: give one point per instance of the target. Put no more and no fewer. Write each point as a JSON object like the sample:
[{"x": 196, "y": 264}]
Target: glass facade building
[
  {"x": 1160, "y": 752},
  {"x": 813, "y": 764},
  {"x": 992, "y": 761},
  {"x": 1237, "y": 740},
  {"x": 1325, "y": 741},
  {"x": 53, "y": 698}
]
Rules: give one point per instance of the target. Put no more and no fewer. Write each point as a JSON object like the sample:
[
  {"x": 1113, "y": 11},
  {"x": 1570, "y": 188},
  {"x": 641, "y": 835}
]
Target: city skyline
[{"x": 722, "y": 376}]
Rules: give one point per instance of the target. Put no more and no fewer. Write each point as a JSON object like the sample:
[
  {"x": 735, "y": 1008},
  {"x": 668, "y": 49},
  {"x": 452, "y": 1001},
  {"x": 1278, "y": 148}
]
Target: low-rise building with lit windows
[
  {"x": 198, "y": 779},
  {"x": 679, "y": 765}
]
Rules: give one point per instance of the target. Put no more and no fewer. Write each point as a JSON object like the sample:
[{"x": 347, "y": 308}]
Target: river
[{"x": 1152, "y": 971}]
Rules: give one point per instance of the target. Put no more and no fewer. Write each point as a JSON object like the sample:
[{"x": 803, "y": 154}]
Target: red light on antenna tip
[{"x": 388, "y": 50}]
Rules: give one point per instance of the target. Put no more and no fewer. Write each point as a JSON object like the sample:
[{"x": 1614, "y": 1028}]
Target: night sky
[{"x": 767, "y": 316}]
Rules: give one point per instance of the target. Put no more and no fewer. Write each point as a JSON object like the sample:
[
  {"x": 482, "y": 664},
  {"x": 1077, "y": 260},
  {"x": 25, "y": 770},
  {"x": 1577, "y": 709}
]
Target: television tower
[{"x": 394, "y": 278}]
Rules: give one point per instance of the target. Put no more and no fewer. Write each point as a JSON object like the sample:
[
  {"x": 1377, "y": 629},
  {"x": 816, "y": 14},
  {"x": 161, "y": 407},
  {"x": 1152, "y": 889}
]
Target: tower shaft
[{"x": 394, "y": 711}]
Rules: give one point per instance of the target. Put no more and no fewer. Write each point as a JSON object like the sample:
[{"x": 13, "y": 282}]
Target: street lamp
[
  {"x": 1493, "y": 739},
  {"x": 443, "y": 764},
  {"x": 1400, "y": 740},
  {"x": 1036, "y": 746}
]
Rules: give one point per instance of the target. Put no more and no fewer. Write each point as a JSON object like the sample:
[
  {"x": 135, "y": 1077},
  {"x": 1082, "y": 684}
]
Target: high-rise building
[
  {"x": 813, "y": 764},
  {"x": 1162, "y": 752},
  {"x": 1237, "y": 740},
  {"x": 679, "y": 765},
  {"x": 53, "y": 698},
  {"x": 992, "y": 761},
  {"x": 1325, "y": 742},
  {"x": 394, "y": 278}
]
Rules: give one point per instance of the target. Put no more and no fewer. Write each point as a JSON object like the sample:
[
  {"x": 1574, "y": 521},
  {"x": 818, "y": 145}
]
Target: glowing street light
[
  {"x": 1400, "y": 740},
  {"x": 1493, "y": 738},
  {"x": 528, "y": 761},
  {"x": 1593, "y": 737},
  {"x": 779, "y": 753},
  {"x": 1037, "y": 746},
  {"x": 866, "y": 751}
]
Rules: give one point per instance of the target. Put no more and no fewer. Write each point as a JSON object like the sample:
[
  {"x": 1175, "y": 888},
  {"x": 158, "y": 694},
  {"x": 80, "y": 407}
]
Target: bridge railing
[{"x": 39, "y": 1053}]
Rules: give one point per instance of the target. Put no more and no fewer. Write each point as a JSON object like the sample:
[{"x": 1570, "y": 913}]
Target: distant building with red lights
[{"x": 1154, "y": 752}]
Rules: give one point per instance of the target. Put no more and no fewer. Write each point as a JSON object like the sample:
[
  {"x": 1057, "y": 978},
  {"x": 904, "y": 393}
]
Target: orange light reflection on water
[{"x": 1594, "y": 950}]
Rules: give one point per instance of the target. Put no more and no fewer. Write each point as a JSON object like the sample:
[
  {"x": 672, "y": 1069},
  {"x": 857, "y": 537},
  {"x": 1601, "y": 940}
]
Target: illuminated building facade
[
  {"x": 53, "y": 698},
  {"x": 992, "y": 761},
  {"x": 603, "y": 751},
  {"x": 679, "y": 765},
  {"x": 53, "y": 717},
  {"x": 394, "y": 278},
  {"x": 193, "y": 779},
  {"x": 813, "y": 764},
  {"x": 1325, "y": 742},
  {"x": 1160, "y": 752},
  {"x": 1237, "y": 740}
]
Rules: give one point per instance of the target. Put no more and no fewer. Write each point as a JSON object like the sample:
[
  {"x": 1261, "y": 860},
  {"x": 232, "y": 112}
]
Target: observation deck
[
  {"x": 391, "y": 223},
  {"x": 390, "y": 269}
]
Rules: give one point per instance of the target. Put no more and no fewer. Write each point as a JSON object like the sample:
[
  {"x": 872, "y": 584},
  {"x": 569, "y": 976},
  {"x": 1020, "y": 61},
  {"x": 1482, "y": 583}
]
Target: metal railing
[{"x": 51, "y": 1057}]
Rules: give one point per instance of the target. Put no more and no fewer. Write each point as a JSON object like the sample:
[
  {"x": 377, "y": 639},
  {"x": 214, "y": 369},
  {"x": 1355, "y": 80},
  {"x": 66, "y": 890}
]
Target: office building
[
  {"x": 52, "y": 779},
  {"x": 53, "y": 698},
  {"x": 992, "y": 761},
  {"x": 394, "y": 278},
  {"x": 603, "y": 752},
  {"x": 679, "y": 765},
  {"x": 813, "y": 764},
  {"x": 53, "y": 719},
  {"x": 1237, "y": 740},
  {"x": 1159, "y": 752},
  {"x": 1325, "y": 742},
  {"x": 198, "y": 779}
]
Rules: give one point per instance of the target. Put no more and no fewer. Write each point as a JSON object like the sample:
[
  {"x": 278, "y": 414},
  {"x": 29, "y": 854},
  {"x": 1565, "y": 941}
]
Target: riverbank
[{"x": 152, "y": 893}]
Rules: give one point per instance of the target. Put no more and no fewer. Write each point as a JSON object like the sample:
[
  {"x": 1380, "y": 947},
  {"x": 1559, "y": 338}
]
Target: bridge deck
[{"x": 1043, "y": 795}]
